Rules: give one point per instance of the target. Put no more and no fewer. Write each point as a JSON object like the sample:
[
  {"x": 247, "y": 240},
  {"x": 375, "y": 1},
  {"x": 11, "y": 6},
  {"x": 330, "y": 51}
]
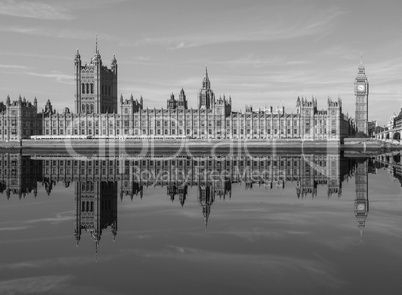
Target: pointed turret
[
  {"x": 182, "y": 94},
  {"x": 171, "y": 103},
  {"x": 206, "y": 84},
  {"x": 77, "y": 56},
  {"x": 97, "y": 56},
  {"x": 206, "y": 96},
  {"x": 114, "y": 64},
  {"x": 182, "y": 102},
  {"x": 362, "y": 69}
]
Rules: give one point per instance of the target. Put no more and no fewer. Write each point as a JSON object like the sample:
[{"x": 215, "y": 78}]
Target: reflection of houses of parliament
[
  {"x": 95, "y": 209},
  {"x": 213, "y": 176},
  {"x": 19, "y": 175},
  {"x": 99, "y": 181}
]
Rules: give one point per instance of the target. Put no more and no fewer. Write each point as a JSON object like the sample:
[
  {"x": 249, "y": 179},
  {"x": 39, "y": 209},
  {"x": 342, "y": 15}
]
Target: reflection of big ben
[
  {"x": 206, "y": 197},
  {"x": 361, "y": 201}
]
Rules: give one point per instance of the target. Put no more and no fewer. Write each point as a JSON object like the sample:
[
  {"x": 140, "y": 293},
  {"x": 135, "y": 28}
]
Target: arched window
[
  {"x": 83, "y": 108},
  {"x": 83, "y": 88},
  {"x": 88, "y": 108},
  {"x": 109, "y": 89},
  {"x": 87, "y": 87},
  {"x": 92, "y": 108},
  {"x": 92, "y": 88}
]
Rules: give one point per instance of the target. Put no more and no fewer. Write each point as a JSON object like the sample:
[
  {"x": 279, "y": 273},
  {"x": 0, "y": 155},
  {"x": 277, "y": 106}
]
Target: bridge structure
[{"x": 392, "y": 135}]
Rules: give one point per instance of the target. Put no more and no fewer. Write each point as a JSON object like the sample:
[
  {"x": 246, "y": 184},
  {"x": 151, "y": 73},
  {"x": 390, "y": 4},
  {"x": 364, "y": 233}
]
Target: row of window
[
  {"x": 183, "y": 132},
  {"x": 218, "y": 124},
  {"x": 89, "y": 108},
  {"x": 88, "y": 88},
  {"x": 321, "y": 161},
  {"x": 167, "y": 130}
]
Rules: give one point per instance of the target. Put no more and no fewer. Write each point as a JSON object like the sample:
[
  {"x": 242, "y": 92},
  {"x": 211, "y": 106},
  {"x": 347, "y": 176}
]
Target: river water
[{"x": 278, "y": 223}]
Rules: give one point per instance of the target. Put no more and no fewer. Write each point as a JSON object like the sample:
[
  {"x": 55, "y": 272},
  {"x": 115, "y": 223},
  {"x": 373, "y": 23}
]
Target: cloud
[
  {"x": 342, "y": 51},
  {"x": 54, "y": 32},
  {"x": 33, "y": 55},
  {"x": 60, "y": 217},
  {"x": 268, "y": 265},
  {"x": 298, "y": 62},
  {"x": 53, "y": 262},
  {"x": 14, "y": 67},
  {"x": 34, "y": 9},
  {"x": 34, "y": 285},
  {"x": 254, "y": 61},
  {"x": 13, "y": 228},
  {"x": 273, "y": 31},
  {"x": 59, "y": 77}
]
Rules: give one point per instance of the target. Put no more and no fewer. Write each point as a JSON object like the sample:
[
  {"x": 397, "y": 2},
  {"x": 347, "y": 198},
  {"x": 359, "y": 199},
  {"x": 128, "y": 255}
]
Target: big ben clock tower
[{"x": 361, "y": 92}]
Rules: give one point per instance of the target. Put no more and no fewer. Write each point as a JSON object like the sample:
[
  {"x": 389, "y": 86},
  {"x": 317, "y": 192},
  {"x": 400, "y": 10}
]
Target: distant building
[
  {"x": 372, "y": 125},
  {"x": 391, "y": 122},
  {"x": 398, "y": 120}
]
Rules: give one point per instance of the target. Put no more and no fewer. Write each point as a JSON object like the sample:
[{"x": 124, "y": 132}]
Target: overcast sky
[{"x": 259, "y": 52}]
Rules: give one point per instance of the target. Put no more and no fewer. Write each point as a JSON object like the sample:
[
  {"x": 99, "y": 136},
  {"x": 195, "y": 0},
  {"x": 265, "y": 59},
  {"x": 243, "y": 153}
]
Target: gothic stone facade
[
  {"x": 19, "y": 119},
  {"x": 97, "y": 114}
]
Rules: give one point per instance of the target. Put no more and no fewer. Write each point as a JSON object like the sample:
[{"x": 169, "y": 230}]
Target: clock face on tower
[
  {"x": 361, "y": 207},
  {"x": 361, "y": 87}
]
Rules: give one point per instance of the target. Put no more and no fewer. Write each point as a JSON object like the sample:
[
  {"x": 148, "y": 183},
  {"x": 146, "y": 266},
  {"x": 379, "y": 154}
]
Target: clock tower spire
[{"x": 361, "y": 92}]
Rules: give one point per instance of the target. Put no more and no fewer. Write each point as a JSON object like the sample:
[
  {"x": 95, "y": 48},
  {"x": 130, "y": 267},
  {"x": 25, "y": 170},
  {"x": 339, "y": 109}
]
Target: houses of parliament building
[{"x": 99, "y": 113}]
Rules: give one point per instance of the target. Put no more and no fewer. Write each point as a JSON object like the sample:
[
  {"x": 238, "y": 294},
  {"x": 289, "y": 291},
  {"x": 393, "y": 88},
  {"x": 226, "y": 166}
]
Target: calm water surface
[{"x": 267, "y": 224}]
